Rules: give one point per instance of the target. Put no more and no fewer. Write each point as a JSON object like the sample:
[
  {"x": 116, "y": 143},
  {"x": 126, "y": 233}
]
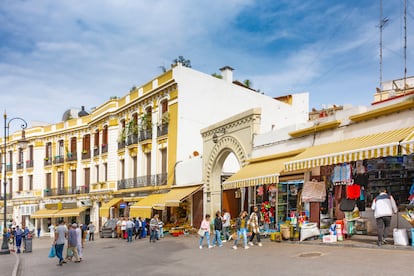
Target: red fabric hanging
[{"x": 353, "y": 191}]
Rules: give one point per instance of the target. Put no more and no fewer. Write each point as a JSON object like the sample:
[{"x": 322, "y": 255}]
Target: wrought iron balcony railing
[
  {"x": 29, "y": 163},
  {"x": 104, "y": 148},
  {"x": 143, "y": 181},
  {"x": 66, "y": 191},
  {"x": 162, "y": 130},
  {"x": 19, "y": 165},
  {"x": 59, "y": 159},
  {"x": 86, "y": 155},
  {"x": 145, "y": 135},
  {"x": 71, "y": 156},
  {"x": 132, "y": 139}
]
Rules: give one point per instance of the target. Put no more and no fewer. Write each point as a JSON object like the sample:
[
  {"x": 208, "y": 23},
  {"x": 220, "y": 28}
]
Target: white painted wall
[
  {"x": 205, "y": 100},
  {"x": 189, "y": 172}
]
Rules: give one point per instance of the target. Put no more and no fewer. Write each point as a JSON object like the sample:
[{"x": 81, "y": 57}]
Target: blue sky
[{"x": 56, "y": 55}]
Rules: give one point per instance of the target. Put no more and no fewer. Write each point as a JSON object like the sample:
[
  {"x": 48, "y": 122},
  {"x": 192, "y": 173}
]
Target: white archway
[{"x": 236, "y": 137}]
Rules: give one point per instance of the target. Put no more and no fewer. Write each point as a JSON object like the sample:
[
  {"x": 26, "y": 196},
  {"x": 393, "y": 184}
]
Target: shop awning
[
  {"x": 177, "y": 195},
  {"x": 265, "y": 170},
  {"x": 44, "y": 213},
  {"x": 144, "y": 207},
  {"x": 72, "y": 212},
  {"x": 407, "y": 146},
  {"x": 104, "y": 210},
  {"x": 366, "y": 147}
]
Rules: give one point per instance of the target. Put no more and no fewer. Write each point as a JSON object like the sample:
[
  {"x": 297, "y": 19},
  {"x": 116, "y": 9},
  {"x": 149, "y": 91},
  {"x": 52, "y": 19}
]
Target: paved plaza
[{"x": 181, "y": 256}]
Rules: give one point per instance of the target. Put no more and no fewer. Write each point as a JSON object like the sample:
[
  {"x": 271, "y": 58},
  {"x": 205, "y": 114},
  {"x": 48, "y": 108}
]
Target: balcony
[
  {"x": 86, "y": 154},
  {"x": 26, "y": 194},
  {"x": 96, "y": 151},
  {"x": 71, "y": 156},
  {"x": 9, "y": 167},
  {"x": 19, "y": 166},
  {"x": 143, "y": 181},
  {"x": 162, "y": 130},
  {"x": 47, "y": 162},
  {"x": 132, "y": 139},
  {"x": 66, "y": 191},
  {"x": 8, "y": 196},
  {"x": 59, "y": 159},
  {"x": 121, "y": 145},
  {"x": 29, "y": 163},
  {"x": 104, "y": 148},
  {"x": 145, "y": 135}
]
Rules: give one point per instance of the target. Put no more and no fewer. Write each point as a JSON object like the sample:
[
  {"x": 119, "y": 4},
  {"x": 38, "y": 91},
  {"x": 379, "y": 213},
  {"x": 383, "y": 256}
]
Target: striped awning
[
  {"x": 72, "y": 212},
  {"x": 104, "y": 210},
  {"x": 366, "y": 147},
  {"x": 257, "y": 173},
  {"x": 44, "y": 213},
  {"x": 407, "y": 146},
  {"x": 178, "y": 194},
  {"x": 144, "y": 207}
]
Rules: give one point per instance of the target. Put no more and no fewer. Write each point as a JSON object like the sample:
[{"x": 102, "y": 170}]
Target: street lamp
[{"x": 22, "y": 144}]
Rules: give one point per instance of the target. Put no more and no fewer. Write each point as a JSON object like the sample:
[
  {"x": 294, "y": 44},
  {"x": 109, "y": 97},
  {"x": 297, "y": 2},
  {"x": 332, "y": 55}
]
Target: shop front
[
  {"x": 175, "y": 208},
  {"x": 353, "y": 172},
  {"x": 263, "y": 183}
]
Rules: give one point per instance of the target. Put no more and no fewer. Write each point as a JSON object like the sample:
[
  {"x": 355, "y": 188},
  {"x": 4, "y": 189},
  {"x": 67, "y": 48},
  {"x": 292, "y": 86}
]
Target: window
[
  {"x": 61, "y": 181},
  {"x": 164, "y": 160},
  {"x": 61, "y": 149},
  {"x": 73, "y": 179},
  {"x": 105, "y": 165},
  {"x": 97, "y": 173},
  {"x": 135, "y": 166},
  {"x": 20, "y": 183},
  {"x": 105, "y": 136},
  {"x": 73, "y": 145},
  {"x": 96, "y": 139},
  {"x": 30, "y": 181},
  {"x": 122, "y": 169},
  {"x": 86, "y": 143},
  {"x": 48, "y": 150}
]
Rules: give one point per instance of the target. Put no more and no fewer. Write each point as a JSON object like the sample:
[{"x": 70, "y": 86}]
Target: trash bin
[{"x": 28, "y": 244}]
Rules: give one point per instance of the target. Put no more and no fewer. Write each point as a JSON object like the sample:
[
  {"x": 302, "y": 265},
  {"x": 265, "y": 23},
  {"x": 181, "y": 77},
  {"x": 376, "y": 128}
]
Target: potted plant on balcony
[{"x": 146, "y": 123}]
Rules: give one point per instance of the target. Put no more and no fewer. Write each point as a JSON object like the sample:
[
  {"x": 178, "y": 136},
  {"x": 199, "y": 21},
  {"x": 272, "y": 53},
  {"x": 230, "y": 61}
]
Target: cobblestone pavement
[{"x": 181, "y": 256}]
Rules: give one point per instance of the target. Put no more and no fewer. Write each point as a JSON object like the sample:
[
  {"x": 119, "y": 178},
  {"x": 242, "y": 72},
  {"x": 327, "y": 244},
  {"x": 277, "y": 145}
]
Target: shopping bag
[
  {"x": 69, "y": 252},
  {"x": 201, "y": 232},
  {"x": 52, "y": 252}
]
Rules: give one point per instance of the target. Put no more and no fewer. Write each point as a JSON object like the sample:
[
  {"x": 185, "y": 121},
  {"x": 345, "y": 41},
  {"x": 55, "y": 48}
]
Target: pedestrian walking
[
  {"x": 241, "y": 227},
  {"x": 18, "y": 235},
  {"x": 123, "y": 228},
  {"x": 79, "y": 241},
  {"x": 143, "y": 228},
  {"x": 52, "y": 231},
  {"x": 38, "y": 231},
  {"x": 129, "y": 228},
  {"x": 73, "y": 242},
  {"x": 160, "y": 229},
  {"x": 91, "y": 228},
  {"x": 226, "y": 225},
  {"x": 154, "y": 228},
  {"x": 254, "y": 222},
  {"x": 138, "y": 228},
  {"x": 61, "y": 234},
  {"x": 384, "y": 206},
  {"x": 205, "y": 232},
  {"x": 218, "y": 227}
]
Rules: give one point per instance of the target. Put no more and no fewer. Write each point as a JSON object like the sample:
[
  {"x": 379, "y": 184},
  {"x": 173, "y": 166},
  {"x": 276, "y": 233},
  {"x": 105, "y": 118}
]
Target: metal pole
[{"x": 4, "y": 246}]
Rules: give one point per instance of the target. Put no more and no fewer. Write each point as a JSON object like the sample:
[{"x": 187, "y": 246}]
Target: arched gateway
[{"x": 233, "y": 135}]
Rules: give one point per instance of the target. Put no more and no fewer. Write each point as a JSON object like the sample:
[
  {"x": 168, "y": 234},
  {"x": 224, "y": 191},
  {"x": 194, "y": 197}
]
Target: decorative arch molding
[{"x": 224, "y": 146}]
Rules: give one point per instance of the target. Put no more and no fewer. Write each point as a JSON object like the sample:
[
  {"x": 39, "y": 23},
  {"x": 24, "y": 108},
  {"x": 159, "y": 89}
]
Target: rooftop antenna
[{"x": 382, "y": 22}]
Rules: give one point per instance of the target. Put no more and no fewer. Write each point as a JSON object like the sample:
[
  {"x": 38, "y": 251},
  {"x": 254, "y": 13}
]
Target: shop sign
[{"x": 122, "y": 205}]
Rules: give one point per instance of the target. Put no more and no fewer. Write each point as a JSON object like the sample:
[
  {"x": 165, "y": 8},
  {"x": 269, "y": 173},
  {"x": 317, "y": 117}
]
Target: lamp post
[{"x": 5, "y": 246}]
